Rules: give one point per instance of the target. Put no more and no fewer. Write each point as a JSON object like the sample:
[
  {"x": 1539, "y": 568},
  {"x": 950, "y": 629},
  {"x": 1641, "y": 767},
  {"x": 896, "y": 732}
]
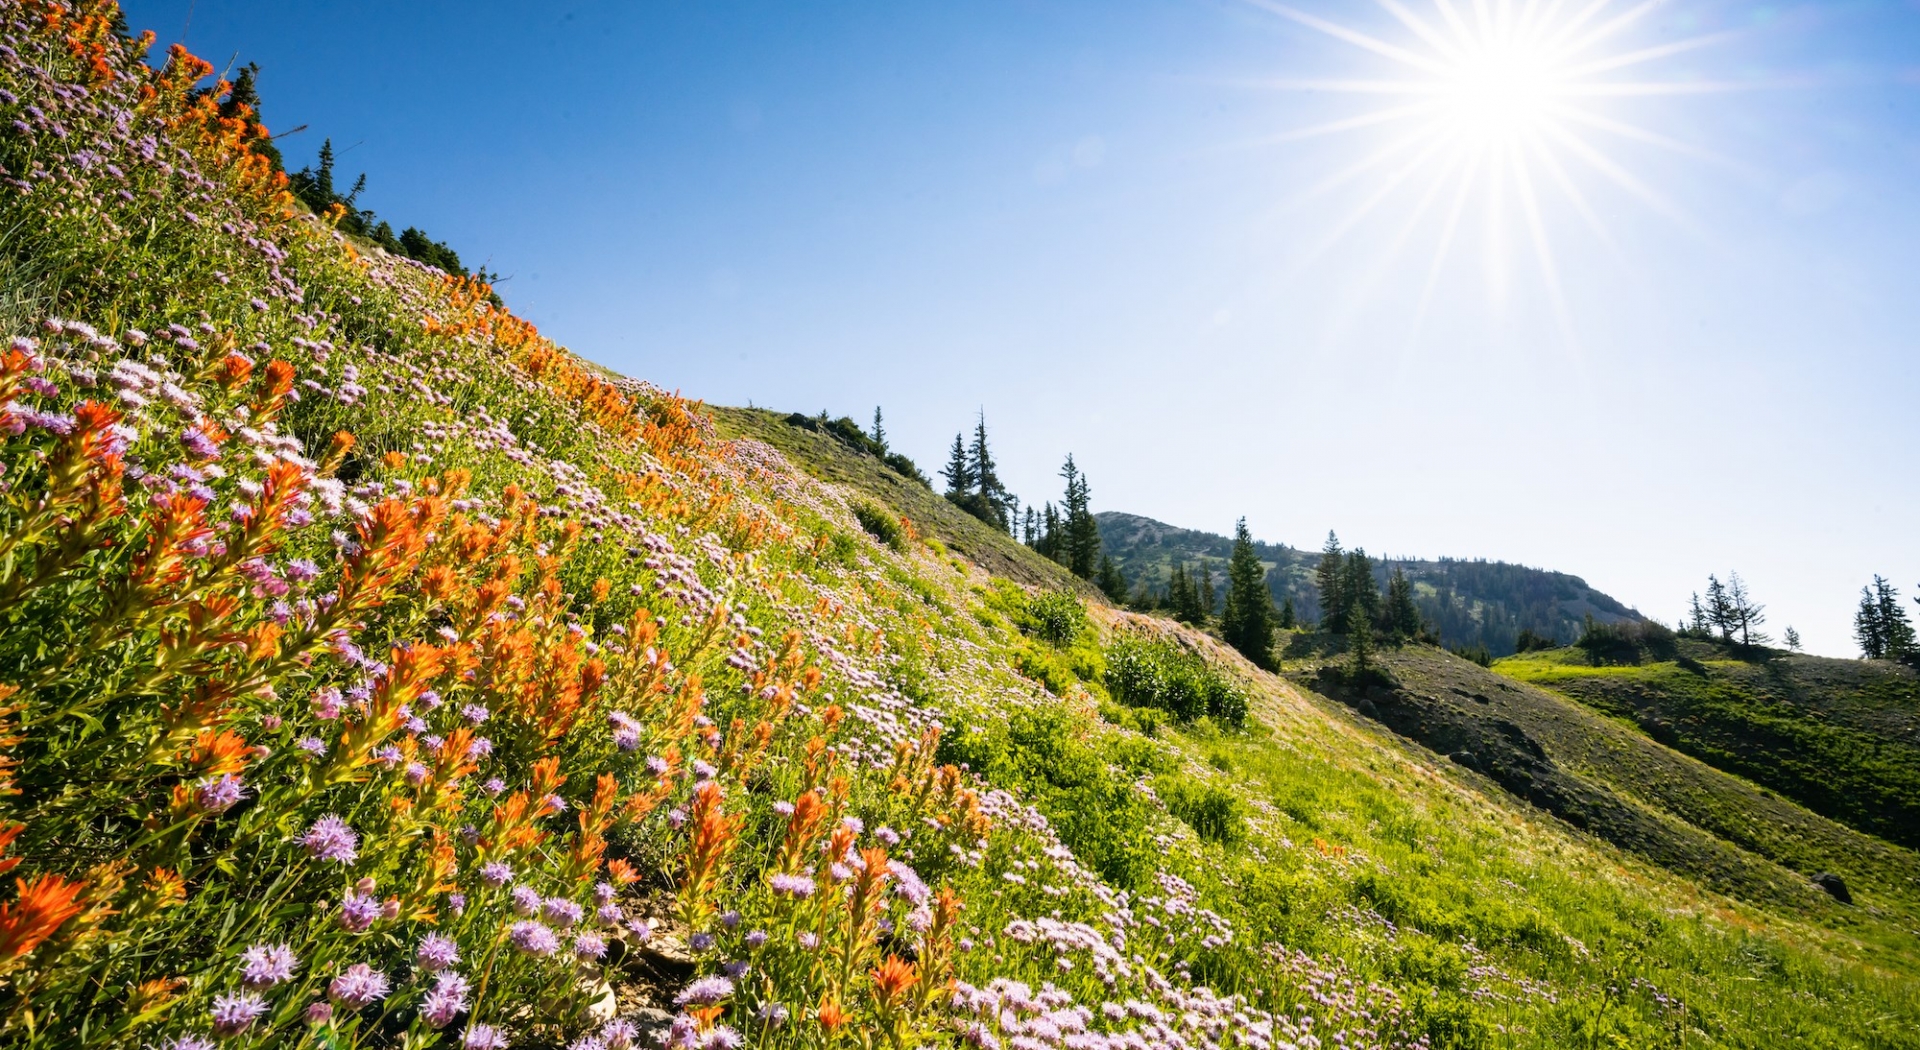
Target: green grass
[{"x": 1841, "y": 737}]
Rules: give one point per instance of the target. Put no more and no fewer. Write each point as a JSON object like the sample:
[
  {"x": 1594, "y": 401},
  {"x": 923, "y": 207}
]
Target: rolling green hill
[
  {"x": 1613, "y": 780},
  {"x": 1841, "y": 737},
  {"x": 1467, "y": 602}
]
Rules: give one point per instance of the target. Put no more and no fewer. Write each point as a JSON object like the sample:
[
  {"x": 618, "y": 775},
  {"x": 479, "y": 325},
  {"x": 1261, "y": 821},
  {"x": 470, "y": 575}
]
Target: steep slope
[
  {"x": 1468, "y": 602},
  {"x": 1841, "y": 737}
]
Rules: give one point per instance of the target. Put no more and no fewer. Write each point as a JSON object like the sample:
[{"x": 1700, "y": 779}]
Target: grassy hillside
[
  {"x": 1467, "y": 602},
  {"x": 931, "y": 514},
  {"x": 377, "y": 673},
  {"x": 1613, "y": 781},
  {"x": 1841, "y": 737}
]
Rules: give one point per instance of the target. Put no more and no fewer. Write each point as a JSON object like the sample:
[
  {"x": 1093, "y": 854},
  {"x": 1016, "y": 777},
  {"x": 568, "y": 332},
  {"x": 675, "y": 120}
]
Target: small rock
[
  {"x": 1465, "y": 758},
  {"x": 653, "y": 1023},
  {"x": 1835, "y": 886},
  {"x": 605, "y": 1005},
  {"x": 1366, "y": 709}
]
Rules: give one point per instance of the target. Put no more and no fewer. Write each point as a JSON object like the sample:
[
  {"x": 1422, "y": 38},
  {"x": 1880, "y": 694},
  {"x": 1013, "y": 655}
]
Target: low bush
[
  {"x": 1213, "y": 812},
  {"x": 1055, "y": 617},
  {"x": 1477, "y": 653},
  {"x": 1626, "y": 642},
  {"x": 1528, "y": 641},
  {"x": 1158, "y": 674},
  {"x": 1142, "y": 720},
  {"x": 880, "y": 524}
]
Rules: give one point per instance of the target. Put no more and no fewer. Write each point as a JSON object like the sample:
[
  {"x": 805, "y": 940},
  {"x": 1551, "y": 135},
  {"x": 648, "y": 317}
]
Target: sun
[
  {"x": 1505, "y": 89},
  {"x": 1500, "y": 106}
]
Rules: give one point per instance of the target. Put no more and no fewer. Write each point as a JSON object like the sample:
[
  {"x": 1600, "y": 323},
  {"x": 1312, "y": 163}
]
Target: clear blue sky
[{"x": 1100, "y": 223}]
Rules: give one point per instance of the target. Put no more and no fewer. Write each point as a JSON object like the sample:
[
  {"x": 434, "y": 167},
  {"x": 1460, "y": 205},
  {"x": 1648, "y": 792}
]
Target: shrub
[
  {"x": 1626, "y": 642},
  {"x": 1142, "y": 720},
  {"x": 880, "y": 524},
  {"x": 1528, "y": 641},
  {"x": 1157, "y": 674},
  {"x": 1213, "y": 812},
  {"x": 1055, "y": 617}
]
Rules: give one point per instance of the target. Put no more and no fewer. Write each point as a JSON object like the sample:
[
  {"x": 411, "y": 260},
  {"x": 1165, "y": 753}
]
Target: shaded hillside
[
  {"x": 1841, "y": 737},
  {"x": 1468, "y": 603},
  {"x": 1615, "y": 782}
]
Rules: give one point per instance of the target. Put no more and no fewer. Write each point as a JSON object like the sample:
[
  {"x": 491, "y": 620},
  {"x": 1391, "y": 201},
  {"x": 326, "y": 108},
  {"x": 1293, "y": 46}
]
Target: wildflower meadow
[{"x": 375, "y": 672}]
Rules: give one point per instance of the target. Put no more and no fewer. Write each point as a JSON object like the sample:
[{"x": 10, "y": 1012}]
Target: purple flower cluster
[
  {"x": 234, "y": 1013},
  {"x": 357, "y": 986},
  {"x": 331, "y": 839},
  {"x": 358, "y": 910},
  {"x": 436, "y": 952},
  {"x": 216, "y": 795},
  {"x": 533, "y": 938},
  {"x": 446, "y": 1000},
  {"x": 704, "y": 991},
  {"x": 265, "y": 965}
]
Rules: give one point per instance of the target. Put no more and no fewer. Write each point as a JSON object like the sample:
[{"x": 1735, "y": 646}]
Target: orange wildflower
[
  {"x": 215, "y": 754},
  {"x": 43, "y": 906},
  {"x": 892, "y": 979}
]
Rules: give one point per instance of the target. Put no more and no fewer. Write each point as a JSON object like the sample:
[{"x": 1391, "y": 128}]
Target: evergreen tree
[
  {"x": 1747, "y": 615},
  {"x": 959, "y": 469},
  {"x": 1697, "y": 619},
  {"x": 314, "y": 185},
  {"x": 1082, "y": 540},
  {"x": 1867, "y": 627},
  {"x": 1899, "y": 630},
  {"x": 1030, "y": 531},
  {"x": 1720, "y": 611},
  {"x": 1793, "y": 639},
  {"x": 1204, "y": 591},
  {"x": 1247, "y": 622},
  {"x": 1111, "y": 581},
  {"x": 1333, "y": 608},
  {"x": 1881, "y": 626},
  {"x": 1181, "y": 601},
  {"x": 1403, "y": 618},
  {"x": 1288, "y": 618},
  {"x": 1359, "y": 595},
  {"x": 1359, "y": 631},
  {"x": 243, "y": 97},
  {"x": 243, "y": 104},
  {"x": 879, "y": 434},
  {"x": 1048, "y": 535},
  {"x": 991, "y": 496}
]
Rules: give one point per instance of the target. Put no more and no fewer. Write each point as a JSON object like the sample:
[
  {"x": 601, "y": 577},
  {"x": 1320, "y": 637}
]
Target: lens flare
[{"x": 1496, "y": 105}]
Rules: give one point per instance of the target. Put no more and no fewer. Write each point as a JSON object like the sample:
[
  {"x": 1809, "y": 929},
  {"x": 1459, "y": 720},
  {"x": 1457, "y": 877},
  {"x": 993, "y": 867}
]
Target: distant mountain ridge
[{"x": 1467, "y": 602}]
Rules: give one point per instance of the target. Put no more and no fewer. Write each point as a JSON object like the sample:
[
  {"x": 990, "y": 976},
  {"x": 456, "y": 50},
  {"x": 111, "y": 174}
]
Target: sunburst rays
[{"x": 1504, "y": 106}]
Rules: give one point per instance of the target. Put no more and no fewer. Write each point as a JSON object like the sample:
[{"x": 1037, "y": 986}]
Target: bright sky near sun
[{"x": 1629, "y": 290}]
